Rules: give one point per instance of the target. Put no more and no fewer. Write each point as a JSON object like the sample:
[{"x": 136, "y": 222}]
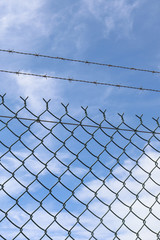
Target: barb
[
  {"x": 80, "y": 61},
  {"x": 80, "y": 124},
  {"x": 80, "y": 81}
]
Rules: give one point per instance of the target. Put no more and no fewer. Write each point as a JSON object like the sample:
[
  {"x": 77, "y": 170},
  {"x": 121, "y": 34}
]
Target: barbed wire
[
  {"x": 79, "y": 61},
  {"x": 80, "y": 81},
  {"x": 79, "y": 124}
]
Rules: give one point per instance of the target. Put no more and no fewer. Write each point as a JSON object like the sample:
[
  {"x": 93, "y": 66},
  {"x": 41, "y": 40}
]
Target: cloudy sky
[
  {"x": 115, "y": 32},
  {"x": 119, "y": 32}
]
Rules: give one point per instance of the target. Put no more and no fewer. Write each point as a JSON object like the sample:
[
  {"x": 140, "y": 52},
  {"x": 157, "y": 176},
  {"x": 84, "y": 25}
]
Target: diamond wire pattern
[{"x": 60, "y": 181}]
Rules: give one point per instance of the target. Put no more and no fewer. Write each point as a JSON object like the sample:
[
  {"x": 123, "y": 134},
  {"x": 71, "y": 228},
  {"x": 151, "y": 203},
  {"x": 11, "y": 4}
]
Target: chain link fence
[{"x": 66, "y": 178}]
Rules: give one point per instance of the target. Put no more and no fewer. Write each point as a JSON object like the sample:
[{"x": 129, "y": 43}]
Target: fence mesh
[{"x": 67, "y": 178}]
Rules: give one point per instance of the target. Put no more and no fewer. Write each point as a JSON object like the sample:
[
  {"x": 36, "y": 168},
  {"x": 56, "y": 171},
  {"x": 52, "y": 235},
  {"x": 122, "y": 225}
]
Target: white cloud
[
  {"x": 126, "y": 198},
  {"x": 21, "y": 22},
  {"x": 129, "y": 191},
  {"x": 113, "y": 15},
  {"x": 36, "y": 88},
  {"x": 123, "y": 201},
  {"x": 26, "y": 24}
]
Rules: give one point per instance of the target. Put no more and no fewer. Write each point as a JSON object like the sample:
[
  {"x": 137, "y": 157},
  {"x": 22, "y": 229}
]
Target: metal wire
[
  {"x": 68, "y": 180},
  {"x": 78, "y": 124},
  {"x": 81, "y": 81},
  {"x": 79, "y": 61}
]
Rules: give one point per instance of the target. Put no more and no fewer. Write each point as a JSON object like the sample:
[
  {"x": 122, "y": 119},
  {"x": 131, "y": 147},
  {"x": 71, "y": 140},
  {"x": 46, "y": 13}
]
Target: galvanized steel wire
[
  {"x": 67, "y": 178},
  {"x": 80, "y": 81},
  {"x": 79, "y": 61}
]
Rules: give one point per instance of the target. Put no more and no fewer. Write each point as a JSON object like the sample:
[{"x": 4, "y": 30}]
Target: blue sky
[
  {"x": 119, "y": 32},
  {"x": 116, "y": 32}
]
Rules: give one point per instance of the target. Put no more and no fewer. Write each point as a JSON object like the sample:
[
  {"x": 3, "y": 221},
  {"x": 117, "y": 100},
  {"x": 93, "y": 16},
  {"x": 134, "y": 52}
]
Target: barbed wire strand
[
  {"x": 79, "y": 124},
  {"x": 80, "y": 61},
  {"x": 80, "y": 81}
]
